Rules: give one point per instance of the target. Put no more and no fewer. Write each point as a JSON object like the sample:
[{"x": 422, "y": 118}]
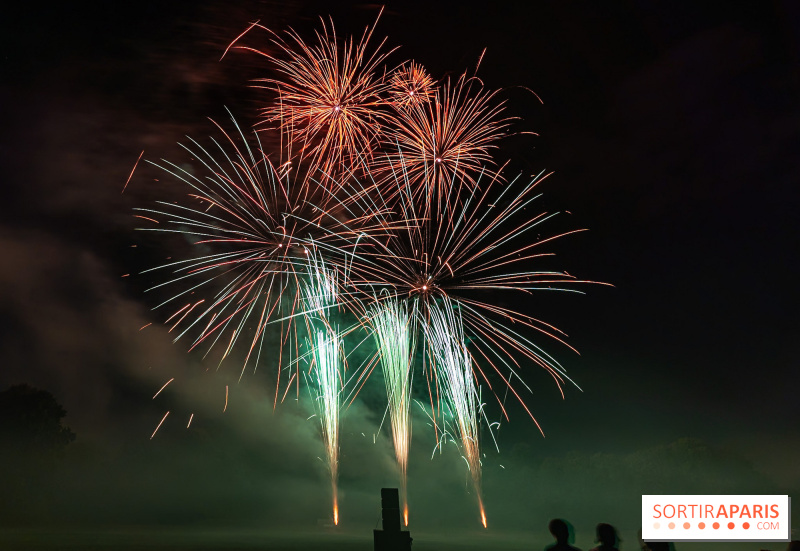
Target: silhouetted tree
[
  {"x": 30, "y": 419},
  {"x": 32, "y": 440}
]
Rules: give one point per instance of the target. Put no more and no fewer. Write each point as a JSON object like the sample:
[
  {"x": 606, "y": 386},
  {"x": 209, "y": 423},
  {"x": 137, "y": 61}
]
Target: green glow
[
  {"x": 444, "y": 333},
  {"x": 394, "y": 337},
  {"x": 320, "y": 294}
]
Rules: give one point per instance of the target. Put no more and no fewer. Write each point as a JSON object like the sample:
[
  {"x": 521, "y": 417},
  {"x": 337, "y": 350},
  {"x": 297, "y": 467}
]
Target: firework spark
[
  {"x": 393, "y": 330},
  {"x": 159, "y": 425},
  {"x": 132, "y": 171},
  {"x": 444, "y": 335},
  {"x": 162, "y": 388},
  {"x": 320, "y": 293},
  {"x": 326, "y": 375}
]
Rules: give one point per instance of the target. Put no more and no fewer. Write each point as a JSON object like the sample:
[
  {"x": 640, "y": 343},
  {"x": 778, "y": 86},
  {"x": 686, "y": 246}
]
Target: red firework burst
[
  {"x": 329, "y": 95},
  {"x": 445, "y": 142},
  {"x": 410, "y": 86}
]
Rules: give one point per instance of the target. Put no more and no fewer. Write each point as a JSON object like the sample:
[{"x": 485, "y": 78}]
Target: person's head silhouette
[
  {"x": 560, "y": 530},
  {"x": 607, "y": 535}
]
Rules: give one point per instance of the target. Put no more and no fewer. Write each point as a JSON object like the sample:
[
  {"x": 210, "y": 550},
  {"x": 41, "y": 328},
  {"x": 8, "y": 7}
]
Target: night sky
[{"x": 673, "y": 132}]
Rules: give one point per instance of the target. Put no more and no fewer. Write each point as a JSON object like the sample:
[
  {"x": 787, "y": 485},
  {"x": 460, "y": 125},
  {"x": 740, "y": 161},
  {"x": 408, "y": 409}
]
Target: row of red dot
[{"x": 702, "y": 525}]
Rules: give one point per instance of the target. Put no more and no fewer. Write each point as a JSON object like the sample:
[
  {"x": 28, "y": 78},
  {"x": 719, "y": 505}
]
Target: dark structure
[{"x": 391, "y": 538}]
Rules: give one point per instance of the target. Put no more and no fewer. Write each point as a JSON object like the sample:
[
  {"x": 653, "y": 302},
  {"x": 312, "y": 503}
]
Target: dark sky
[{"x": 673, "y": 131}]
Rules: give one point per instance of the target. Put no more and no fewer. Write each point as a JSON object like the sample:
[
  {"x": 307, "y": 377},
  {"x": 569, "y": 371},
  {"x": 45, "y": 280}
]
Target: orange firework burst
[
  {"x": 446, "y": 142},
  {"x": 329, "y": 94},
  {"x": 411, "y": 85}
]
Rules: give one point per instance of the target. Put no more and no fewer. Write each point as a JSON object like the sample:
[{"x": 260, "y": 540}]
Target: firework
[
  {"x": 421, "y": 251},
  {"x": 251, "y": 223},
  {"x": 320, "y": 292},
  {"x": 411, "y": 86},
  {"x": 485, "y": 248},
  {"x": 393, "y": 330},
  {"x": 445, "y": 267},
  {"x": 326, "y": 360},
  {"x": 444, "y": 335},
  {"x": 330, "y": 95},
  {"x": 444, "y": 143}
]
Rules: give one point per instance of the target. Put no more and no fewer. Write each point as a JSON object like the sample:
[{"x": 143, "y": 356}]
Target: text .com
[{"x": 716, "y": 517}]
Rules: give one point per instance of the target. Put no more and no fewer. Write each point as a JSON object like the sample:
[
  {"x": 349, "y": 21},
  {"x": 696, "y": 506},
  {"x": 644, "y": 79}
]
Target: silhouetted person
[
  {"x": 607, "y": 536},
  {"x": 561, "y": 530}
]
